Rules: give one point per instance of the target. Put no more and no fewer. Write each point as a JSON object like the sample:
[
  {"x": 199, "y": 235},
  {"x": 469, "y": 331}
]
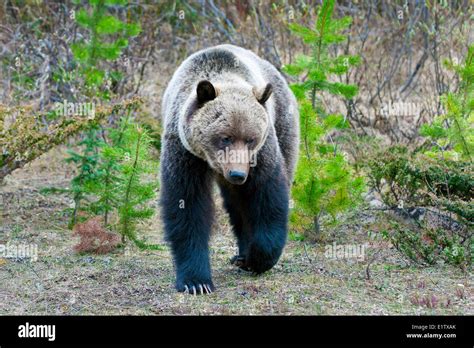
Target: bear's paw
[{"x": 195, "y": 287}]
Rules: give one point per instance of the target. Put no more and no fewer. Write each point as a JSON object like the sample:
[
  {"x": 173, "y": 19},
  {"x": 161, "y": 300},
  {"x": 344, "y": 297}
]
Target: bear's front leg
[
  {"x": 187, "y": 213},
  {"x": 267, "y": 215}
]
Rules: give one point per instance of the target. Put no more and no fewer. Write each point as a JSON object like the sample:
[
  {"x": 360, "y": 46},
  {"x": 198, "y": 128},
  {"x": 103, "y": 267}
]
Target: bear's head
[{"x": 226, "y": 125}]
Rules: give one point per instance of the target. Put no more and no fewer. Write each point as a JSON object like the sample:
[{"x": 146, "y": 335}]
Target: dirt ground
[{"x": 129, "y": 281}]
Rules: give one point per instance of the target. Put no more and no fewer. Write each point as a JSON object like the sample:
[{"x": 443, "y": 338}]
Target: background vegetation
[{"x": 386, "y": 104}]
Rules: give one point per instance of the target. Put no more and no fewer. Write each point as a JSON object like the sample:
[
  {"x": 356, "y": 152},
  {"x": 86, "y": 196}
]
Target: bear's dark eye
[
  {"x": 250, "y": 141},
  {"x": 226, "y": 141}
]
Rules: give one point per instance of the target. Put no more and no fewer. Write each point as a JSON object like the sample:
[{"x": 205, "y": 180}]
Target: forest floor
[{"x": 129, "y": 281}]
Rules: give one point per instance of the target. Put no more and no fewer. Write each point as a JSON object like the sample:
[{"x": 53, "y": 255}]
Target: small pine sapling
[
  {"x": 134, "y": 191},
  {"x": 103, "y": 186},
  {"x": 108, "y": 38},
  {"x": 452, "y": 134},
  {"x": 111, "y": 153},
  {"x": 86, "y": 163},
  {"x": 324, "y": 182}
]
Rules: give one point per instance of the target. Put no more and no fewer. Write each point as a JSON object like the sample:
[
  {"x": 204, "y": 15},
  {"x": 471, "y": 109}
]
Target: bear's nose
[{"x": 237, "y": 176}]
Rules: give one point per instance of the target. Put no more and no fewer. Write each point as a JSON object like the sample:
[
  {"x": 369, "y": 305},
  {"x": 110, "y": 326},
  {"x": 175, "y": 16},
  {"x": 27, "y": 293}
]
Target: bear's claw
[
  {"x": 240, "y": 262},
  {"x": 200, "y": 289}
]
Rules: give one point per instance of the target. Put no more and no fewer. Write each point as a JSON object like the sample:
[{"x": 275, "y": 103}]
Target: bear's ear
[
  {"x": 263, "y": 95},
  {"x": 205, "y": 92}
]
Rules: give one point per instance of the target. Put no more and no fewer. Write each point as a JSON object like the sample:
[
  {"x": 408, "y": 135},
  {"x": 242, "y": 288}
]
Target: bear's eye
[
  {"x": 250, "y": 141},
  {"x": 226, "y": 141}
]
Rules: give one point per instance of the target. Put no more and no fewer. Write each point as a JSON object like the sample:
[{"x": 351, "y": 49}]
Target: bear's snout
[{"x": 237, "y": 177}]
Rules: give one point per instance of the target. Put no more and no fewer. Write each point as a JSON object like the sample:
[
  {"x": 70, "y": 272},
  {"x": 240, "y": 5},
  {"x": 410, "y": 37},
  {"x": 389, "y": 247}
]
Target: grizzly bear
[{"x": 229, "y": 117}]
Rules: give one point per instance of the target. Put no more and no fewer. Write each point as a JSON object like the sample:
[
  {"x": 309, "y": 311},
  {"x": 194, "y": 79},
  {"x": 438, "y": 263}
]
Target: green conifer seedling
[
  {"x": 452, "y": 134},
  {"x": 325, "y": 183}
]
